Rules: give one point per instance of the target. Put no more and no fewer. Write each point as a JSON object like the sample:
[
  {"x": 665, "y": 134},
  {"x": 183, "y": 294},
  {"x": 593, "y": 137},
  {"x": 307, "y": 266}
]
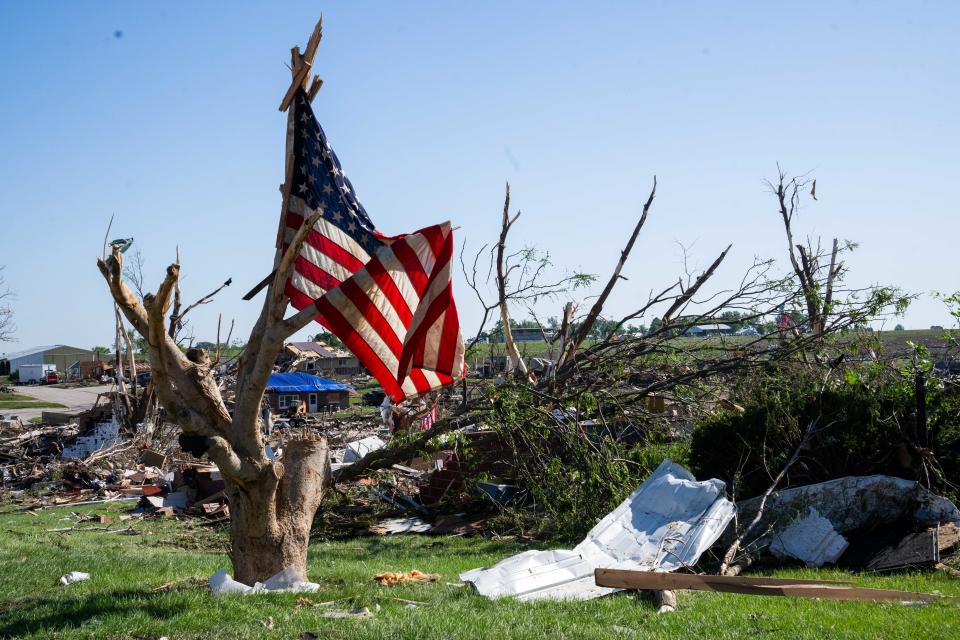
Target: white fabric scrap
[
  {"x": 667, "y": 523},
  {"x": 74, "y": 576},
  {"x": 359, "y": 448},
  {"x": 290, "y": 580},
  {"x": 386, "y": 412},
  {"x": 811, "y": 539}
]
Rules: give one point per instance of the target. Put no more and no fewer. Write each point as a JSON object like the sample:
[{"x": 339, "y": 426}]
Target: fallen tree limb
[
  {"x": 388, "y": 456},
  {"x": 731, "y": 553}
]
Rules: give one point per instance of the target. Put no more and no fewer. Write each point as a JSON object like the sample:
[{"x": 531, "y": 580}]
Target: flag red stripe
[
  {"x": 353, "y": 341},
  {"x": 299, "y": 300},
  {"x": 447, "y": 352},
  {"x": 419, "y": 380},
  {"x": 434, "y": 238},
  {"x": 315, "y": 274},
  {"x": 373, "y": 316},
  {"x": 325, "y": 245},
  {"x": 389, "y": 288},
  {"x": 411, "y": 264},
  {"x": 413, "y": 353}
]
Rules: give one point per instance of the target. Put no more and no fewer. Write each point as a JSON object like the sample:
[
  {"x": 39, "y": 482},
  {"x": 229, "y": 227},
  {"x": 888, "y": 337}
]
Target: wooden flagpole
[{"x": 300, "y": 66}]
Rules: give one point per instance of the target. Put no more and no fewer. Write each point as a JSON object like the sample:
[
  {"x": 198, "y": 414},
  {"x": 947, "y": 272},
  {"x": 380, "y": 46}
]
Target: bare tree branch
[
  {"x": 513, "y": 354},
  {"x": 597, "y": 308}
]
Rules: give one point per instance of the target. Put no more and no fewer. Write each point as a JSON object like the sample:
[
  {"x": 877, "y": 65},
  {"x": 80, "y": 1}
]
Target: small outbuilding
[{"x": 287, "y": 391}]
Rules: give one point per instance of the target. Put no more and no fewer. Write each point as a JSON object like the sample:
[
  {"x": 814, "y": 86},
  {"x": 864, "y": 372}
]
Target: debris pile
[
  {"x": 874, "y": 523},
  {"x": 666, "y": 524}
]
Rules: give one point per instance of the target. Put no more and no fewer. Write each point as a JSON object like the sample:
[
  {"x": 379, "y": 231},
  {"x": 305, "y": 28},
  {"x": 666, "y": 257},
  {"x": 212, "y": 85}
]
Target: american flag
[
  {"x": 429, "y": 419},
  {"x": 389, "y": 299}
]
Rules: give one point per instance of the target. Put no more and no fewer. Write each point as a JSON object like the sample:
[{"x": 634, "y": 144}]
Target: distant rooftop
[
  {"x": 30, "y": 351},
  {"x": 711, "y": 327}
]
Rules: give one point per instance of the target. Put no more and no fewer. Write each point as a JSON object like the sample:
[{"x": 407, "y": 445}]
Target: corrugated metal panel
[{"x": 667, "y": 523}]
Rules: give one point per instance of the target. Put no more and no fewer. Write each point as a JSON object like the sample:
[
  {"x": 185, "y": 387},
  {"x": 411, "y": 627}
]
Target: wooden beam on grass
[{"x": 747, "y": 585}]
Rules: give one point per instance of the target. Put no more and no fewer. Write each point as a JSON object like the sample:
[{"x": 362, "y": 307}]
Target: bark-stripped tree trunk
[
  {"x": 272, "y": 502},
  {"x": 514, "y": 359}
]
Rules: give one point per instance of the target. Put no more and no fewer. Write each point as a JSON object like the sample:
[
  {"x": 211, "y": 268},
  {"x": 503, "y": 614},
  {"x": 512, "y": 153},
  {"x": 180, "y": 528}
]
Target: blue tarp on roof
[{"x": 302, "y": 382}]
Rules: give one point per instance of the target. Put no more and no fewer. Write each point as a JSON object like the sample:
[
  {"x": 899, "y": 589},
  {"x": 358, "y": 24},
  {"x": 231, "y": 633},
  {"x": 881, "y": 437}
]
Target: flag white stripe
[
  {"x": 320, "y": 259},
  {"x": 330, "y": 230},
  {"x": 305, "y": 286},
  {"x": 399, "y": 276},
  {"x": 381, "y": 302},
  {"x": 432, "y": 379},
  {"x": 368, "y": 334},
  {"x": 421, "y": 247}
]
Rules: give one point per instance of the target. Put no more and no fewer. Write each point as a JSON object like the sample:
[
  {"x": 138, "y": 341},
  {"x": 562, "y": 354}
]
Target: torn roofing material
[{"x": 665, "y": 524}]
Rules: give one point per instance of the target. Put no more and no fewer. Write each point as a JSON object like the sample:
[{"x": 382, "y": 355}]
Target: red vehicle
[{"x": 50, "y": 378}]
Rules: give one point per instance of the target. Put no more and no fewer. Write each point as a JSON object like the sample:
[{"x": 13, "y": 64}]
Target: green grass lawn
[
  {"x": 20, "y": 401},
  {"x": 9, "y": 397},
  {"x": 124, "y": 599}
]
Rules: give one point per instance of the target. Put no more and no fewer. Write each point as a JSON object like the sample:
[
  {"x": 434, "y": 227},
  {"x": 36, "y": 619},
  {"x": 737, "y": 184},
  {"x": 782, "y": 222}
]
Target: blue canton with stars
[{"x": 318, "y": 178}]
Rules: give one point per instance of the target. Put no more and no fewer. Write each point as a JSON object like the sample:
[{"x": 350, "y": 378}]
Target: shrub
[
  {"x": 867, "y": 426},
  {"x": 574, "y": 474}
]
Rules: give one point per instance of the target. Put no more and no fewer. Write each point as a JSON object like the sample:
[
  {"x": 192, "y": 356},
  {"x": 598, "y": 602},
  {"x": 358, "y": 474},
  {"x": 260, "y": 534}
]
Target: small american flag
[
  {"x": 389, "y": 299},
  {"x": 429, "y": 419}
]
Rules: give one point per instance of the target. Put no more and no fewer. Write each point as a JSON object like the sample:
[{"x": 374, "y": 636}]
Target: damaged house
[
  {"x": 287, "y": 391},
  {"x": 318, "y": 358}
]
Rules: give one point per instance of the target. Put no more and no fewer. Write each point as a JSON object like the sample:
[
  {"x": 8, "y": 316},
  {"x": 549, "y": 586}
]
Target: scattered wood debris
[{"x": 392, "y": 579}]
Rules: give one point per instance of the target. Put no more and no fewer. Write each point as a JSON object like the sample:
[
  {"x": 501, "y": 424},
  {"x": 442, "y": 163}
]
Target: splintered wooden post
[
  {"x": 666, "y": 601},
  {"x": 301, "y": 65},
  {"x": 314, "y": 88}
]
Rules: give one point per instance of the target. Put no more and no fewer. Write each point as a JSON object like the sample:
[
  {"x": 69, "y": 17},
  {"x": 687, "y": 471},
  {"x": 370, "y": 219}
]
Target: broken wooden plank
[
  {"x": 302, "y": 65},
  {"x": 948, "y": 536},
  {"x": 747, "y": 585},
  {"x": 895, "y": 549}
]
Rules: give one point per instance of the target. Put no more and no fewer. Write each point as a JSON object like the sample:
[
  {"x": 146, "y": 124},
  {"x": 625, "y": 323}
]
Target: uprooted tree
[
  {"x": 592, "y": 416},
  {"x": 272, "y": 503}
]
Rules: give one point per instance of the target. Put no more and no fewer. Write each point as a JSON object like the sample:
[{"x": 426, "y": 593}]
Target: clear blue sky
[{"x": 165, "y": 114}]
